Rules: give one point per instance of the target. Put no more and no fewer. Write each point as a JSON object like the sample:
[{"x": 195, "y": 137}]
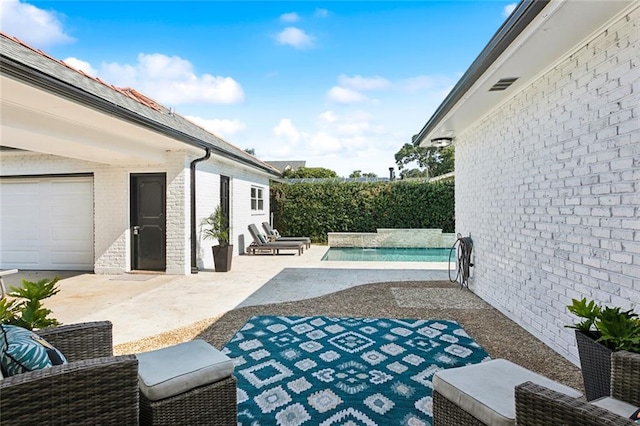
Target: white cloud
[
  {"x": 345, "y": 138},
  {"x": 358, "y": 82},
  {"x": 323, "y": 143},
  {"x": 81, "y": 65},
  {"x": 35, "y": 26},
  {"x": 348, "y": 125},
  {"x": 290, "y": 17},
  {"x": 349, "y": 89},
  {"x": 286, "y": 129},
  {"x": 347, "y": 133},
  {"x": 321, "y": 13},
  {"x": 222, "y": 128},
  {"x": 295, "y": 37},
  {"x": 124, "y": 75},
  {"x": 345, "y": 95},
  {"x": 508, "y": 9},
  {"x": 171, "y": 80},
  {"x": 334, "y": 134},
  {"x": 424, "y": 82},
  {"x": 328, "y": 116}
]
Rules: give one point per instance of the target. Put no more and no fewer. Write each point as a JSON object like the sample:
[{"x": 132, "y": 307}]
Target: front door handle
[{"x": 136, "y": 230}]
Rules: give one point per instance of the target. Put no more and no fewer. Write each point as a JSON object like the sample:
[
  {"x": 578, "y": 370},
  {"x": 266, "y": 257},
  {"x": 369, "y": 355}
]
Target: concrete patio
[{"x": 142, "y": 305}]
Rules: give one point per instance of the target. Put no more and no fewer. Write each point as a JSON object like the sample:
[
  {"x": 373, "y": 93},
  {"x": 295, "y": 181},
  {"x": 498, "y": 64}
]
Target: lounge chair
[
  {"x": 262, "y": 244},
  {"x": 274, "y": 235}
]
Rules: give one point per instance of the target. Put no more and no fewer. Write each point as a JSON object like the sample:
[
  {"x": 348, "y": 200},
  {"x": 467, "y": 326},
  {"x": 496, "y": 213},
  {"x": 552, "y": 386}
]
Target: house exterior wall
[
  {"x": 548, "y": 187},
  {"x": 112, "y": 238},
  {"x": 208, "y": 197}
]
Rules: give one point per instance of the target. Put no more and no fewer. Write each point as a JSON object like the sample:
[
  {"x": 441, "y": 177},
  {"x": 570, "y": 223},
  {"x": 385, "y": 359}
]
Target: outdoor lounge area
[
  {"x": 541, "y": 328},
  {"x": 403, "y": 302}
]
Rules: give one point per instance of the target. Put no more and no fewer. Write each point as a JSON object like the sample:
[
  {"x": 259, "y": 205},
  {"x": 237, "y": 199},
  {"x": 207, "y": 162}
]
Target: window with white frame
[{"x": 257, "y": 198}]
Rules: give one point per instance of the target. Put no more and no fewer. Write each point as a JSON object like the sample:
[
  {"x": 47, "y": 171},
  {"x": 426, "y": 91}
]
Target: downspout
[{"x": 194, "y": 248}]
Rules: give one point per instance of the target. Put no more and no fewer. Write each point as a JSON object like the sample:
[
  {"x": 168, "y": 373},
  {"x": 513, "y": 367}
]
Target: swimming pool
[{"x": 388, "y": 254}]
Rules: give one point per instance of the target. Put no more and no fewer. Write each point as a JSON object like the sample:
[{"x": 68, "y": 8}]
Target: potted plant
[
  {"x": 216, "y": 227},
  {"x": 25, "y": 308},
  {"x": 603, "y": 330}
]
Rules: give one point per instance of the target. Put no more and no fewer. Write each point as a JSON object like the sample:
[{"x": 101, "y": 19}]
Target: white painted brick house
[
  {"x": 94, "y": 177},
  {"x": 548, "y": 169}
]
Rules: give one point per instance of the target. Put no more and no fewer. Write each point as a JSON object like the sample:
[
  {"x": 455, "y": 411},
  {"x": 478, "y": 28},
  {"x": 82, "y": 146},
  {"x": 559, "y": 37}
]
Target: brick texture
[
  {"x": 208, "y": 190},
  {"x": 548, "y": 187},
  {"x": 112, "y": 237}
]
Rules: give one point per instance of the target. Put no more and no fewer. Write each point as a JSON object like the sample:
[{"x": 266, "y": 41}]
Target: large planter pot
[
  {"x": 222, "y": 257},
  {"x": 595, "y": 362}
]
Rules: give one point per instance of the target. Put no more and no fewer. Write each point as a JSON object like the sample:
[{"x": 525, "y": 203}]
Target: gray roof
[
  {"x": 284, "y": 165},
  {"x": 21, "y": 62}
]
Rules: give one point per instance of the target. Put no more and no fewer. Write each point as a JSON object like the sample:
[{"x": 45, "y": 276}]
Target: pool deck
[{"x": 143, "y": 305}]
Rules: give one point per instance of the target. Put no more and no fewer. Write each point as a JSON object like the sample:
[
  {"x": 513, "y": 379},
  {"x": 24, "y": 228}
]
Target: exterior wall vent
[{"x": 502, "y": 84}]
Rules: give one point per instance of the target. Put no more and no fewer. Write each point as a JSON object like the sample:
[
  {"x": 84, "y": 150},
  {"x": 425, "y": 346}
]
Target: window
[{"x": 257, "y": 199}]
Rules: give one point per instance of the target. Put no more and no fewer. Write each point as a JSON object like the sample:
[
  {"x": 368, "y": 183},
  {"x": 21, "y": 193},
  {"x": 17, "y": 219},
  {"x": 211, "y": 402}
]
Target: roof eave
[
  {"x": 34, "y": 77},
  {"x": 520, "y": 18}
]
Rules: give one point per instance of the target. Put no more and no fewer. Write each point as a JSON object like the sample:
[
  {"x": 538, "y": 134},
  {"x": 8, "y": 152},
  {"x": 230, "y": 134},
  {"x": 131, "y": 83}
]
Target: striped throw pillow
[{"x": 22, "y": 350}]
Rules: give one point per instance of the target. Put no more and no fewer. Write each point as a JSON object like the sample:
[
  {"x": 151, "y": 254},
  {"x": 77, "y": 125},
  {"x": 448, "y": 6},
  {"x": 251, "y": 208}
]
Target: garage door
[{"x": 46, "y": 223}]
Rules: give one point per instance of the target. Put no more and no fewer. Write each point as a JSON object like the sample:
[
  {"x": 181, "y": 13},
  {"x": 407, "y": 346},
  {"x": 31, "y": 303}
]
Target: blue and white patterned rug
[{"x": 346, "y": 371}]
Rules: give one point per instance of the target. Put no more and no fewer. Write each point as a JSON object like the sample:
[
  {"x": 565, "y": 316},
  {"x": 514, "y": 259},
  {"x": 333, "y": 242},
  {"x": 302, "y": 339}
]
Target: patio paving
[
  {"x": 143, "y": 305},
  {"x": 151, "y": 311}
]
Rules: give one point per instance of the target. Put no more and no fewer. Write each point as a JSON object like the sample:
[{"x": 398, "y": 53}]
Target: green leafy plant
[
  {"x": 25, "y": 309},
  {"x": 589, "y": 311},
  {"x": 617, "y": 329},
  {"x": 216, "y": 227},
  {"x": 316, "y": 208}
]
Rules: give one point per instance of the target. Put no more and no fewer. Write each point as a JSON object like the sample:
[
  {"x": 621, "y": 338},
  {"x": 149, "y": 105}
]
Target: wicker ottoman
[
  {"x": 187, "y": 384},
  {"x": 483, "y": 394}
]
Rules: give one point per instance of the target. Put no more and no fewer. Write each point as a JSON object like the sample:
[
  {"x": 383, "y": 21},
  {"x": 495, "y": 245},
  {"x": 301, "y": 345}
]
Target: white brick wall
[
  {"x": 548, "y": 186},
  {"x": 208, "y": 196},
  {"x": 112, "y": 197}
]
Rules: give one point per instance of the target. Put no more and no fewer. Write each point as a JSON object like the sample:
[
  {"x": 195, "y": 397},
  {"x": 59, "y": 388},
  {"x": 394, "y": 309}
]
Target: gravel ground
[{"x": 501, "y": 337}]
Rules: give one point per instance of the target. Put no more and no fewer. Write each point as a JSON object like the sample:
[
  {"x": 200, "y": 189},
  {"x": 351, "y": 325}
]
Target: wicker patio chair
[
  {"x": 95, "y": 387},
  {"x": 537, "y": 405}
]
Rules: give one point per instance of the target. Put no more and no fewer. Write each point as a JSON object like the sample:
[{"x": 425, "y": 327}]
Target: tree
[
  {"x": 431, "y": 161},
  {"x": 309, "y": 172},
  {"x": 358, "y": 174},
  {"x": 250, "y": 151},
  {"x": 414, "y": 173}
]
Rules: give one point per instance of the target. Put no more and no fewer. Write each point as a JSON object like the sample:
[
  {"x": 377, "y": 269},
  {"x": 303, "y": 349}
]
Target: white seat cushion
[
  {"x": 177, "y": 369},
  {"x": 487, "y": 390},
  {"x": 621, "y": 408}
]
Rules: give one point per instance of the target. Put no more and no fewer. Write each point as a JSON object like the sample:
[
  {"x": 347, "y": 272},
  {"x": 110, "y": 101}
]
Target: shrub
[{"x": 316, "y": 208}]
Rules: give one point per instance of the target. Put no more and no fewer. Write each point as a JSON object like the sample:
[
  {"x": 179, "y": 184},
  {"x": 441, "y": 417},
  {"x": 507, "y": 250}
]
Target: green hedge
[{"x": 316, "y": 208}]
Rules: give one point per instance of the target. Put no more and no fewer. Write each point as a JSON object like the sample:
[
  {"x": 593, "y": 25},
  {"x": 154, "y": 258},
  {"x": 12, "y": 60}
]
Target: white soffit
[
  {"x": 35, "y": 120},
  {"x": 558, "y": 31}
]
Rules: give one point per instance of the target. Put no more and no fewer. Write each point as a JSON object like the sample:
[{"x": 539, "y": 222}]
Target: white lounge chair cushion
[
  {"x": 617, "y": 406},
  {"x": 177, "y": 369},
  {"x": 487, "y": 390}
]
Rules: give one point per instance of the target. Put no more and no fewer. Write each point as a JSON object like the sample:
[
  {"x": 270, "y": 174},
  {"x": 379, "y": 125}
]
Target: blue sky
[{"x": 342, "y": 85}]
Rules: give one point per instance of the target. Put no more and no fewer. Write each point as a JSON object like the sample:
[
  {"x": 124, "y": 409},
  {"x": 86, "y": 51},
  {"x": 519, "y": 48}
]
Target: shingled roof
[
  {"x": 285, "y": 165},
  {"x": 34, "y": 67}
]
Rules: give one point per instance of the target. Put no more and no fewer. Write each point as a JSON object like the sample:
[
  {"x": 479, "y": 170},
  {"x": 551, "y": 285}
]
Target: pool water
[{"x": 388, "y": 254}]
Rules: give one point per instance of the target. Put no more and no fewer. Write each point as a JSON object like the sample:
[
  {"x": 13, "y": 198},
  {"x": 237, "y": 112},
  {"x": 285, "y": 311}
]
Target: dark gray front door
[
  {"x": 148, "y": 221},
  {"x": 224, "y": 198}
]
